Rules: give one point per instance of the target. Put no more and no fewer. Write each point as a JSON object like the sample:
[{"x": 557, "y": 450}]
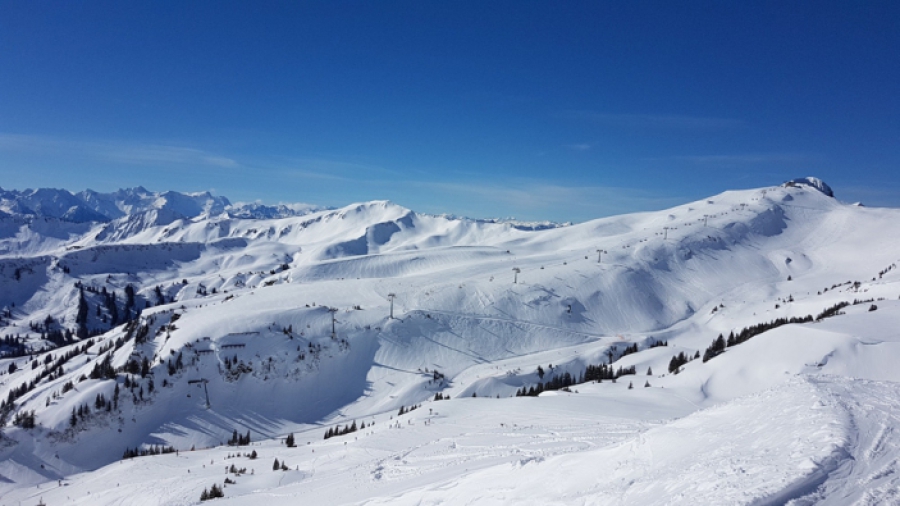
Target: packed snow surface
[{"x": 183, "y": 320}]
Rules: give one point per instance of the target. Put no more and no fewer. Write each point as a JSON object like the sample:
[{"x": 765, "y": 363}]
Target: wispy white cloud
[
  {"x": 117, "y": 152},
  {"x": 19, "y": 142},
  {"x": 336, "y": 166},
  {"x": 471, "y": 193},
  {"x": 335, "y": 181},
  {"x": 298, "y": 173},
  {"x": 156, "y": 155},
  {"x": 748, "y": 158},
  {"x": 537, "y": 198},
  {"x": 652, "y": 121},
  {"x": 324, "y": 170}
]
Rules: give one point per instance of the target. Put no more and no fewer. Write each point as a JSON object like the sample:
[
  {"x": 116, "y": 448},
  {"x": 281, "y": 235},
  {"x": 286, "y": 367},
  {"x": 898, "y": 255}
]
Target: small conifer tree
[{"x": 215, "y": 492}]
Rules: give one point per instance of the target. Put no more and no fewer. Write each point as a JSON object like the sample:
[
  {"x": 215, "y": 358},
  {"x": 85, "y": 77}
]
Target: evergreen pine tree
[
  {"x": 129, "y": 301},
  {"x": 81, "y": 316},
  {"x": 720, "y": 343},
  {"x": 214, "y": 492}
]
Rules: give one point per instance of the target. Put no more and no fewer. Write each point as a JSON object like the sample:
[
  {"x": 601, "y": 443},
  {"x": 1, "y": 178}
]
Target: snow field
[{"x": 803, "y": 413}]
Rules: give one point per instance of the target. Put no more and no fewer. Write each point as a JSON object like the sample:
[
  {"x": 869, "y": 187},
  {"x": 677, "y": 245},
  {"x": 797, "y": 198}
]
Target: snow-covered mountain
[
  {"x": 91, "y": 206},
  {"x": 184, "y": 321},
  {"x": 47, "y": 219}
]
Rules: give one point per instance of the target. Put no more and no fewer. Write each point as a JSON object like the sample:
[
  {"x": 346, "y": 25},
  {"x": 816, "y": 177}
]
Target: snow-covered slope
[{"x": 217, "y": 321}]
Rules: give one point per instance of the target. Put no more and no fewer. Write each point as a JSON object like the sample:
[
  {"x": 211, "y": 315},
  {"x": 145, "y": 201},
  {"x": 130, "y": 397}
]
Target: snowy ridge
[{"x": 238, "y": 309}]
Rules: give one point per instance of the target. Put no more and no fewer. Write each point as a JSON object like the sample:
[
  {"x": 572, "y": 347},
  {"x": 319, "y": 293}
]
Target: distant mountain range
[{"x": 91, "y": 206}]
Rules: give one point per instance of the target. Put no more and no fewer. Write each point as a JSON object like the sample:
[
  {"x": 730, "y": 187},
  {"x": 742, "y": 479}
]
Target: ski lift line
[
  {"x": 392, "y": 295},
  {"x": 333, "y": 311},
  {"x": 205, "y": 390}
]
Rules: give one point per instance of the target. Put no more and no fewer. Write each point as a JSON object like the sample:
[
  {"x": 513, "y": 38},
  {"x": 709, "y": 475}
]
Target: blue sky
[{"x": 538, "y": 110}]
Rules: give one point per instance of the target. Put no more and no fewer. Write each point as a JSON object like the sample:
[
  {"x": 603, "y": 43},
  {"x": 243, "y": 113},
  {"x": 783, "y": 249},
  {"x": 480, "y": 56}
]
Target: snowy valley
[{"x": 740, "y": 349}]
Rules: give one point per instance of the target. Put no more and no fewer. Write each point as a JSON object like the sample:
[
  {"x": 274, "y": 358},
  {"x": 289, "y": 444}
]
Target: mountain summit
[{"x": 813, "y": 182}]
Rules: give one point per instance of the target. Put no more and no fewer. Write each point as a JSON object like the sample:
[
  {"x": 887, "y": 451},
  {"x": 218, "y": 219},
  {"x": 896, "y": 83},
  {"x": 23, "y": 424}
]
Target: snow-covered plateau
[{"x": 160, "y": 348}]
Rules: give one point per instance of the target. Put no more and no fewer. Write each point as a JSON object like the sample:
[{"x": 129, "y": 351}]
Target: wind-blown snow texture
[{"x": 241, "y": 300}]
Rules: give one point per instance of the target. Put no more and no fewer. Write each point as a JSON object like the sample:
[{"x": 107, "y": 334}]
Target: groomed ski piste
[{"x": 281, "y": 326}]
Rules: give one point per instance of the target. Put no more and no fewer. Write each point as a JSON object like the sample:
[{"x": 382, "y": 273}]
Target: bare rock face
[{"x": 813, "y": 182}]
